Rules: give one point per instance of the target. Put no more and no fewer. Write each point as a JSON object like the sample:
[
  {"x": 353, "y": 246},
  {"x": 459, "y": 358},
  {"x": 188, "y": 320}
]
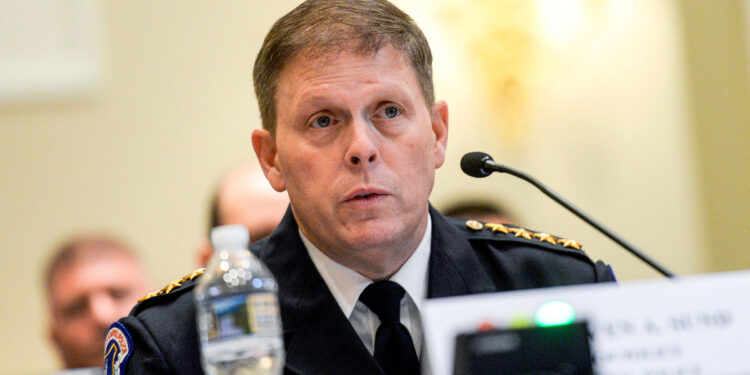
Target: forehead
[
  {"x": 309, "y": 70},
  {"x": 90, "y": 274}
]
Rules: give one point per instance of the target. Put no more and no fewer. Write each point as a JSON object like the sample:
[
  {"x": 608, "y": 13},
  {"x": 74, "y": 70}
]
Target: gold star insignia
[
  {"x": 544, "y": 237},
  {"x": 474, "y": 225},
  {"x": 192, "y": 275},
  {"x": 497, "y": 227},
  {"x": 174, "y": 284},
  {"x": 520, "y": 232},
  {"x": 149, "y": 295},
  {"x": 196, "y": 273},
  {"x": 570, "y": 243},
  {"x": 171, "y": 286}
]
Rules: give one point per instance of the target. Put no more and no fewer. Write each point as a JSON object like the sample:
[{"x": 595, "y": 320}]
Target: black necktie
[{"x": 394, "y": 349}]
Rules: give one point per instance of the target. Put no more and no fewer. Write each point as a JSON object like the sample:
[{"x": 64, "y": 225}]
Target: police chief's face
[
  {"x": 86, "y": 298},
  {"x": 357, "y": 147}
]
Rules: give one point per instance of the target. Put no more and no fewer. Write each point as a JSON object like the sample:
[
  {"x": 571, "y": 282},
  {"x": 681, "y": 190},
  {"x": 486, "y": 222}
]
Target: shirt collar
[{"x": 346, "y": 284}]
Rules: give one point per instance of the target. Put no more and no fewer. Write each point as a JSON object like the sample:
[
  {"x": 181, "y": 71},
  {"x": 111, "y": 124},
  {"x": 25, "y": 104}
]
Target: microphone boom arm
[{"x": 490, "y": 164}]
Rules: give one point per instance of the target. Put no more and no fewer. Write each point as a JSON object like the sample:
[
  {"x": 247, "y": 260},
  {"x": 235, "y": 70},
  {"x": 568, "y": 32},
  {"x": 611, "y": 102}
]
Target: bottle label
[{"x": 256, "y": 313}]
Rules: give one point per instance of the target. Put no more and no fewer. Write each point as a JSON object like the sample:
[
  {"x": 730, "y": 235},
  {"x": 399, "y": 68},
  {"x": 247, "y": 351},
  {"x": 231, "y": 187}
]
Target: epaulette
[
  {"x": 169, "y": 288},
  {"x": 508, "y": 230}
]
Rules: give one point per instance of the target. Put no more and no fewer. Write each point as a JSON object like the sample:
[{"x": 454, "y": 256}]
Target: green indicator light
[{"x": 554, "y": 313}]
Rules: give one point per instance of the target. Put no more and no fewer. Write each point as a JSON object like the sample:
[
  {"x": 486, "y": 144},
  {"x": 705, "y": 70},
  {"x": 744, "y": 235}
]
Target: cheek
[
  {"x": 421, "y": 165},
  {"x": 421, "y": 150},
  {"x": 301, "y": 172},
  {"x": 72, "y": 332}
]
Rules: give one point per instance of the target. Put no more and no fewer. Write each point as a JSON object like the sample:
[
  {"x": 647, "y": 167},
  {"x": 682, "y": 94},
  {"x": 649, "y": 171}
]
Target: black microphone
[
  {"x": 473, "y": 164},
  {"x": 479, "y": 164}
]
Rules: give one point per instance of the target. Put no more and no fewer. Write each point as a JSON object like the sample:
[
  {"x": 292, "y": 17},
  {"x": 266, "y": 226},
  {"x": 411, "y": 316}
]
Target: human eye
[
  {"x": 322, "y": 121},
  {"x": 118, "y": 293},
  {"x": 74, "y": 309},
  {"x": 390, "y": 111}
]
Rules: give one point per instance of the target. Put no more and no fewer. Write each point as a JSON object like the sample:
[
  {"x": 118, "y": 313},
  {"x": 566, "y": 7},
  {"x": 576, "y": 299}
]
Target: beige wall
[
  {"x": 608, "y": 122},
  {"x": 717, "y": 46},
  {"x": 607, "y": 127}
]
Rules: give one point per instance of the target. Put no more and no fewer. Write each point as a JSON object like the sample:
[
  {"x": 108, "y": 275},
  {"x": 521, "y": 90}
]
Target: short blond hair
[{"x": 321, "y": 27}]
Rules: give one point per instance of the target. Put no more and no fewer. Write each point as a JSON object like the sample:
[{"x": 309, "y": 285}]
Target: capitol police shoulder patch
[{"x": 117, "y": 348}]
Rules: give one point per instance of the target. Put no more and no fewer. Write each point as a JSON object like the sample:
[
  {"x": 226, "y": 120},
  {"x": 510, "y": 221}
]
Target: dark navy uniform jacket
[{"x": 318, "y": 337}]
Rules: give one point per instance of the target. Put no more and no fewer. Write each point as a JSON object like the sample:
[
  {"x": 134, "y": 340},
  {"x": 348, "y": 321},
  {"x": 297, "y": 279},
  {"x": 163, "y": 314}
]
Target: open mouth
[{"x": 366, "y": 196}]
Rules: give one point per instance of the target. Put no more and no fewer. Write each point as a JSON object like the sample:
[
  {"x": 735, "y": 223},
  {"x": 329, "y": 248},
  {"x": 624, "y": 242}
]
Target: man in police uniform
[{"x": 352, "y": 132}]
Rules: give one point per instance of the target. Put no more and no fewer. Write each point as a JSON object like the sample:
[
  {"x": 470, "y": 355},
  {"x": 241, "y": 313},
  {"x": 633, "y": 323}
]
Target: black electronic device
[{"x": 555, "y": 350}]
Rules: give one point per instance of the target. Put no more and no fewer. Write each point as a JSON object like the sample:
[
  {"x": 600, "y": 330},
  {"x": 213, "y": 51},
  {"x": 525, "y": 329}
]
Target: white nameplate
[{"x": 697, "y": 325}]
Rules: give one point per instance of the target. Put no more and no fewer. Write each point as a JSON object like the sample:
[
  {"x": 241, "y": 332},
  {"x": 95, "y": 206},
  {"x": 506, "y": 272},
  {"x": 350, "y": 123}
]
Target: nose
[
  {"x": 103, "y": 309},
  {"x": 363, "y": 144}
]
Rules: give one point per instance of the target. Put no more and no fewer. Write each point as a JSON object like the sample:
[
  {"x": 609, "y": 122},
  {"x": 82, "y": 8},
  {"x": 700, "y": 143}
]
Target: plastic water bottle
[{"x": 239, "y": 326}]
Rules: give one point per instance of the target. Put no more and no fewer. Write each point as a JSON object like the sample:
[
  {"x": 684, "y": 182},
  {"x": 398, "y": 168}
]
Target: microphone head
[{"x": 473, "y": 164}]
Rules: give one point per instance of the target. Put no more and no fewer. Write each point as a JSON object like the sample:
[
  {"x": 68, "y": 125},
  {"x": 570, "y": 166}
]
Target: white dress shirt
[{"x": 346, "y": 285}]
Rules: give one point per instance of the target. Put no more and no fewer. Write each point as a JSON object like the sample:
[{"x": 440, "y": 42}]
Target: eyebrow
[
  {"x": 380, "y": 95},
  {"x": 315, "y": 100}
]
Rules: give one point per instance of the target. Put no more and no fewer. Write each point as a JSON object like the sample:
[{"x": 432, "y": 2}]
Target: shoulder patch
[
  {"x": 173, "y": 285},
  {"x": 509, "y": 230},
  {"x": 117, "y": 349}
]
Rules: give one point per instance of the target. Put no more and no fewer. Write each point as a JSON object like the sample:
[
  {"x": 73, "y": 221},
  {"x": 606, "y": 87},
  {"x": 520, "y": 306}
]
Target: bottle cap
[{"x": 230, "y": 237}]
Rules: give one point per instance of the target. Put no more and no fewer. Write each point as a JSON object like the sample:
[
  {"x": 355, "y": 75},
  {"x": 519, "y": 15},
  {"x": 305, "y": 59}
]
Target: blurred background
[{"x": 120, "y": 117}]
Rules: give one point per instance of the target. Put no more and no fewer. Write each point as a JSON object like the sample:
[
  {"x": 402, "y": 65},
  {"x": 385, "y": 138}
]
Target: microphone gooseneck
[{"x": 480, "y": 164}]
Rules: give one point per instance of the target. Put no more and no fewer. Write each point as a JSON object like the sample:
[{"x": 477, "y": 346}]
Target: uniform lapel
[
  {"x": 318, "y": 337},
  {"x": 454, "y": 267}
]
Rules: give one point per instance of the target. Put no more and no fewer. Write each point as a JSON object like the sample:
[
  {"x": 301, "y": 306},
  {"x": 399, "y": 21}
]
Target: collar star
[
  {"x": 544, "y": 237},
  {"x": 570, "y": 243},
  {"x": 520, "y": 232},
  {"x": 497, "y": 227},
  {"x": 171, "y": 286},
  {"x": 150, "y": 295}
]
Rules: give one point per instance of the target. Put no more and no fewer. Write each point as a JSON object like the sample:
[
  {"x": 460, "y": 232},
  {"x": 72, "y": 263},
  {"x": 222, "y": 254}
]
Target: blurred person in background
[
  {"x": 245, "y": 197},
  {"x": 91, "y": 281},
  {"x": 487, "y": 212}
]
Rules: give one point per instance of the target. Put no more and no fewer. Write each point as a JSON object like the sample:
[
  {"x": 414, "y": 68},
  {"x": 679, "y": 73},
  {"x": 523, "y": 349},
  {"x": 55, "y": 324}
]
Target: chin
[
  {"x": 376, "y": 236},
  {"x": 371, "y": 243}
]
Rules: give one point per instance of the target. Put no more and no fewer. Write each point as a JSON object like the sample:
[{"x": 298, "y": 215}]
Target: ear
[
  {"x": 264, "y": 145},
  {"x": 204, "y": 253},
  {"x": 54, "y": 335},
  {"x": 440, "y": 128}
]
